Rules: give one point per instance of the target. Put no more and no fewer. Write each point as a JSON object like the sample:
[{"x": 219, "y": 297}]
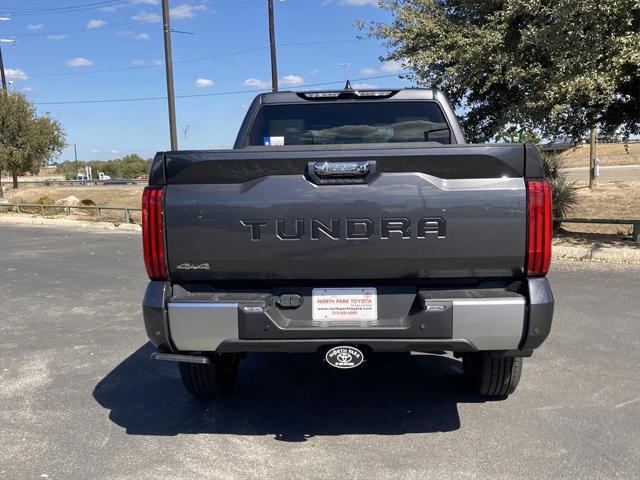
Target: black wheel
[
  {"x": 208, "y": 380},
  {"x": 492, "y": 376}
]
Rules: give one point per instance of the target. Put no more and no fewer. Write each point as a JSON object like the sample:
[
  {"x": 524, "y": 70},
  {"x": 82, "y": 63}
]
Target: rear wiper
[{"x": 431, "y": 130}]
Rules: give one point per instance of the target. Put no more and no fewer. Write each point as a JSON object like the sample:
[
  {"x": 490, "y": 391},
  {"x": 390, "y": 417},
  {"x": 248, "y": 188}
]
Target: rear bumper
[{"x": 461, "y": 320}]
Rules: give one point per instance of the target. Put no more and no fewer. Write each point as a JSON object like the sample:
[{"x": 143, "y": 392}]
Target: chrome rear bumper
[{"x": 482, "y": 319}]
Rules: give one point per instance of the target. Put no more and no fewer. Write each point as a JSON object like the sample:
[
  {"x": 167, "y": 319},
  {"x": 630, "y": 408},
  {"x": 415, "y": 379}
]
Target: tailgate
[{"x": 356, "y": 213}]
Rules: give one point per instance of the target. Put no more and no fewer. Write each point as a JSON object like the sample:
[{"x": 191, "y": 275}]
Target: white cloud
[
  {"x": 362, "y": 86},
  {"x": 133, "y": 35},
  {"x": 96, "y": 24},
  {"x": 254, "y": 82},
  {"x": 313, "y": 72},
  {"x": 184, "y": 11},
  {"x": 146, "y": 17},
  {"x": 368, "y": 72},
  {"x": 115, "y": 151},
  {"x": 187, "y": 10},
  {"x": 392, "y": 66},
  {"x": 95, "y": 151},
  {"x": 118, "y": 6},
  {"x": 291, "y": 80},
  {"x": 360, "y": 3},
  {"x": 144, "y": 62},
  {"x": 203, "y": 83},
  {"x": 79, "y": 62},
  {"x": 15, "y": 74},
  {"x": 57, "y": 36},
  {"x": 35, "y": 28}
]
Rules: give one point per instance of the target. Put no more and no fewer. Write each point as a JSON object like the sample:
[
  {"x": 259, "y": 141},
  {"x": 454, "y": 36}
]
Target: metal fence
[
  {"x": 88, "y": 183},
  {"x": 56, "y": 209}
]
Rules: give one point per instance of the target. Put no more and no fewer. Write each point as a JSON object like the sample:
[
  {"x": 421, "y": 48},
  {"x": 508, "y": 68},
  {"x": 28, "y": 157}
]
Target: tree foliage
[
  {"x": 558, "y": 67},
  {"x": 514, "y": 134},
  {"x": 27, "y": 140},
  {"x": 129, "y": 166}
]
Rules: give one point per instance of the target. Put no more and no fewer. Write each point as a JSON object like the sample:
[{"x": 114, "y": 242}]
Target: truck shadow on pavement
[{"x": 291, "y": 396}]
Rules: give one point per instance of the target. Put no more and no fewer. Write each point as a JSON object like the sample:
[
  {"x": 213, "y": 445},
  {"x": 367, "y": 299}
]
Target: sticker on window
[{"x": 273, "y": 141}]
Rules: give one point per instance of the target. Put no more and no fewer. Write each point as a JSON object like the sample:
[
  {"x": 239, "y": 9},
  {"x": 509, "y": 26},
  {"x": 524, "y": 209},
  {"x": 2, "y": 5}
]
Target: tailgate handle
[{"x": 342, "y": 169}]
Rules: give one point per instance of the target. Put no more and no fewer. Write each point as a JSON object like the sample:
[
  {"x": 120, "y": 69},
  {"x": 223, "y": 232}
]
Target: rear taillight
[
  {"x": 153, "y": 233},
  {"x": 539, "y": 227}
]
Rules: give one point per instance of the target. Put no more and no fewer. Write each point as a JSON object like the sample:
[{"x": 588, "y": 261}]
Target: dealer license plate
[{"x": 345, "y": 304}]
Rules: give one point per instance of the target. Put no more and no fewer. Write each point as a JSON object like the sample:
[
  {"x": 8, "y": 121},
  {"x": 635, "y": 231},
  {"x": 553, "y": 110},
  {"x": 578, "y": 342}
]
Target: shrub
[
  {"x": 45, "y": 200},
  {"x": 563, "y": 191}
]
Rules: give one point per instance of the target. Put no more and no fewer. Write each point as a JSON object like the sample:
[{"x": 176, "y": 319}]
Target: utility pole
[
  {"x": 593, "y": 153},
  {"x": 4, "y": 79},
  {"x": 4, "y": 89},
  {"x": 345, "y": 70},
  {"x": 75, "y": 154},
  {"x": 4, "y": 40},
  {"x": 272, "y": 42},
  {"x": 168, "y": 63}
]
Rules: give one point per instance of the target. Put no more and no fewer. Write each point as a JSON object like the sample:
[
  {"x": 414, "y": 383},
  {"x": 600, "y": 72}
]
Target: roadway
[
  {"x": 622, "y": 173},
  {"x": 80, "y": 398}
]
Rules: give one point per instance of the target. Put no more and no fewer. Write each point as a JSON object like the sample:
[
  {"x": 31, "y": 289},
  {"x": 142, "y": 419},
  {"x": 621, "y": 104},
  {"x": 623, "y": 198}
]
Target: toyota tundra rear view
[{"x": 347, "y": 223}]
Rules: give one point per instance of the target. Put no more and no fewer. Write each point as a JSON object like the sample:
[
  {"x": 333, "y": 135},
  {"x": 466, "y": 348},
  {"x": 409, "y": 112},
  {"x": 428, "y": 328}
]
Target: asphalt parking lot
[{"x": 80, "y": 398}]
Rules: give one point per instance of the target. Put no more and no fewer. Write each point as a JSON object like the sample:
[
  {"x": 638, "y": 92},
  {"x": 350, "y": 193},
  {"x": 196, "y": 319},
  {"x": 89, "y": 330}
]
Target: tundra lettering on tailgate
[{"x": 349, "y": 228}]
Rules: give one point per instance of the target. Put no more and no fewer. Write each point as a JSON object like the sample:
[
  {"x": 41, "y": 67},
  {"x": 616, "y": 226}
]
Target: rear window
[{"x": 349, "y": 122}]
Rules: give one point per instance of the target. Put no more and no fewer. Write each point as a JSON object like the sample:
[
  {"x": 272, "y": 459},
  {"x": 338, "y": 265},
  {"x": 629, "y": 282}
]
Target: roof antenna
[{"x": 347, "y": 86}]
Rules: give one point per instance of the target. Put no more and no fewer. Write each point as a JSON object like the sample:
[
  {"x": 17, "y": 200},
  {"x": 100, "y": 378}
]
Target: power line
[
  {"x": 94, "y": 6},
  {"x": 190, "y": 60},
  {"x": 213, "y": 94},
  {"x": 115, "y": 25},
  {"x": 78, "y": 30},
  {"x": 65, "y": 9}
]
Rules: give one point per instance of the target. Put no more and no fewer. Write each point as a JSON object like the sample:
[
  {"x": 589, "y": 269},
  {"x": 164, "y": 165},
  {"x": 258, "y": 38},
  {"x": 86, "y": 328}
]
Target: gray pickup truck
[{"x": 347, "y": 223}]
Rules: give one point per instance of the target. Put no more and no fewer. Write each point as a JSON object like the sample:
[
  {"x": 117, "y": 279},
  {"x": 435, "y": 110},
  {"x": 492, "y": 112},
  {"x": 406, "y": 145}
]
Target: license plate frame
[{"x": 348, "y": 304}]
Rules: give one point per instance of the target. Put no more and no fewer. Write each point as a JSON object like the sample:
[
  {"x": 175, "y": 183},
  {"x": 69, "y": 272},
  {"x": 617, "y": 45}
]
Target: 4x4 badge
[{"x": 191, "y": 266}]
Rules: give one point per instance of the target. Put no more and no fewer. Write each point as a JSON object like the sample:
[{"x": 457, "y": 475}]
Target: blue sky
[{"x": 112, "y": 49}]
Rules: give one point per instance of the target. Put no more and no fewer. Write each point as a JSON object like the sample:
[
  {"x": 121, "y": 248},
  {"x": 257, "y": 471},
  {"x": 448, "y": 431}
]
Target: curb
[
  {"x": 597, "y": 253},
  {"x": 28, "y": 220}
]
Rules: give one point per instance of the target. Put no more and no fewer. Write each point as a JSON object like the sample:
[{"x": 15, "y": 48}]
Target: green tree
[
  {"x": 27, "y": 140},
  {"x": 132, "y": 166},
  {"x": 559, "y": 67},
  {"x": 67, "y": 168},
  {"x": 514, "y": 134}
]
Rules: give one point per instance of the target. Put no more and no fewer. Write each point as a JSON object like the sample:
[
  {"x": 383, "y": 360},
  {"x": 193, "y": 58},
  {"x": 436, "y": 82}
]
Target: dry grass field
[
  {"x": 609, "y": 154},
  {"x": 613, "y": 200},
  {"x": 112, "y": 196},
  {"x": 128, "y": 196}
]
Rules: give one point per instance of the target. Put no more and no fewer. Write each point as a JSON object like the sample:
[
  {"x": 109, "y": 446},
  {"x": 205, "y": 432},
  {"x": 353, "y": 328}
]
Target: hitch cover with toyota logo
[{"x": 344, "y": 357}]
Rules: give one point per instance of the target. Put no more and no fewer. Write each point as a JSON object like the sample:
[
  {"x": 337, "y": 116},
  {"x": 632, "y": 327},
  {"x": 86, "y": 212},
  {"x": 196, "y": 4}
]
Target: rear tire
[
  {"x": 492, "y": 376},
  {"x": 209, "y": 380}
]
